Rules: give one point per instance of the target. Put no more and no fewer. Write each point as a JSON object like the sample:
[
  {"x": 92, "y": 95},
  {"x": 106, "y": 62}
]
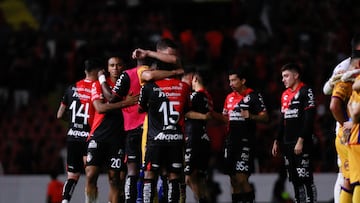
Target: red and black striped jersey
[
  {"x": 77, "y": 99},
  {"x": 298, "y": 114},
  {"x": 105, "y": 124},
  {"x": 166, "y": 102},
  {"x": 240, "y": 127}
]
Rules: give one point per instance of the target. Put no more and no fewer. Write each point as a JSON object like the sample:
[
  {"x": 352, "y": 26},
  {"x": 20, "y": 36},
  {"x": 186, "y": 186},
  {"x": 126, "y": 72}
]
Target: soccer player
[
  {"x": 353, "y": 141},
  {"x": 339, "y": 110},
  {"x": 166, "y": 64},
  {"x": 115, "y": 66},
  {"x": 76, "y": 101},
  {"x": 197, "y": 145},
  {"x": 165, "y": 102},
  {"x": 106, "y": 142},
  {"x": 243, "y": 108},
  {"x": 340, "y": 96},
  {"x": 295, "y": 134}
]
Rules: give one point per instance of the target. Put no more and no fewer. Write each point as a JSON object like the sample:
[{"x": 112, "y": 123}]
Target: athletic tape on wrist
[{"x": 102, "y": 79}]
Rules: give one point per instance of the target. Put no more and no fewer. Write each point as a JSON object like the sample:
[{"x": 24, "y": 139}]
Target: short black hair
[
  {"x": 93, "y": 64},
  {"x": 165, "y": 43},
  {"x": 292, "y": 67},
  {"x": 241, "y": 73}
]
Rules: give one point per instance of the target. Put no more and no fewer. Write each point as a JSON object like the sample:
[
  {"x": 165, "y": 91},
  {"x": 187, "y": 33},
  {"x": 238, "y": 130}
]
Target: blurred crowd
[{"x": 259, "y": 35}]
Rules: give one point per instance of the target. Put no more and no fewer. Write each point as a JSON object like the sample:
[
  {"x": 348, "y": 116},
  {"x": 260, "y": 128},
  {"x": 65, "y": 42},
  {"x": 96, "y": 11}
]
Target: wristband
[{"x": 102, "y": 79}]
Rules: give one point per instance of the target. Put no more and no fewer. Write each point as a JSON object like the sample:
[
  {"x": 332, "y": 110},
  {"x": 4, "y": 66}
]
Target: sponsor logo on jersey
[
  {"x": 169, "y": 137},
  {"x": 291, "y": 113},
  {"x": 77, "y": 133}
]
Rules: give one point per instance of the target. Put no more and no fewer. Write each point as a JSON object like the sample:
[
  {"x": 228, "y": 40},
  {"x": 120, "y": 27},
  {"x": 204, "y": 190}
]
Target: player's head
[
  {"x": 189, "y": 71},
  {"x": 93, "y": 64},
  {"x": 290, "y": 73},
  {"x": 115, "y": 66},
  {"x": 201, "y": 77},
  {"x": 237, "y": 79},
  {"x": 167, "y": 46}
]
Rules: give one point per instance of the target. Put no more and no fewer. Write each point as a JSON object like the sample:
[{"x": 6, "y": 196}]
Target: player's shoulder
[{"x": 342, "y": 67}]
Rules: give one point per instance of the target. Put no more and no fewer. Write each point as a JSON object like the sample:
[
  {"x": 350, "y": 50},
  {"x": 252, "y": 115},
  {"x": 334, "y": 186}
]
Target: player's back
[
  {"x": 81, "y": 112},
  {"x": 166, "y": 102}
]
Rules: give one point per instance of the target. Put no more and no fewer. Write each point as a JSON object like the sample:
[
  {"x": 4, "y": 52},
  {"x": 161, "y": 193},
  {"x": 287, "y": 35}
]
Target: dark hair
[
  {"x": 166, "y": 43},
  {"x": 189, "y": 69},
  {"x": 204, "y": 76},
  {"x": 239, "y": 72},
  {"x": 292, "y": 67},
  {"x": 93, "y": 64}
]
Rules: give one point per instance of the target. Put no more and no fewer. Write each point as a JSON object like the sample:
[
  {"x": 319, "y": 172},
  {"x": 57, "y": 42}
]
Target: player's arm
[
  {"x": 197, "y": 115},
  {"x": 151, "y": 74},
  {"x": 61, "y": 111},
  {"x": 106, "y": 90},
  {"x": 354, "y": 111},
  {"x": 262, "y": 116},
  {"x": 143, "y": 99},
  {"x": 337, "y": 110},
  {"x": 102, "y": 107},
  {"x": 275, "y": 151},
  {"x": 166, "y": 58}
]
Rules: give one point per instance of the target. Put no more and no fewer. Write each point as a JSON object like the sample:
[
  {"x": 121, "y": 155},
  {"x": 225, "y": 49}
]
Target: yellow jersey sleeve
[{"x": 342, "y": 90}]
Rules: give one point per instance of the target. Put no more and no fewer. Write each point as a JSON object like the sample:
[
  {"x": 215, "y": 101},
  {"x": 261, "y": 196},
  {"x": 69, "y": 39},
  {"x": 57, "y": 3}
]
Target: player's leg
[
  {"x": 76, "y": 151},
  {"x": 92, "y": 170},
  {"x": 115, "y": 163},
  {"x": 151, "y": 169},
  {"x": 133, "y": 161}
]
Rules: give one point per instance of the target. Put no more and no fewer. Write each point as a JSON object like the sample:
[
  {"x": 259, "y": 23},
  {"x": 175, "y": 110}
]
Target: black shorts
[
  {"x": 108, "y": 153},
  {"x": 133, "y": 145},
  {"x": 74, "y": 159},
  {"x": 299, "y": 167},
  {"x": 197, "y": 156},
  {"x": 169, "y": 157},
  {"x": 239, "y": 157}
]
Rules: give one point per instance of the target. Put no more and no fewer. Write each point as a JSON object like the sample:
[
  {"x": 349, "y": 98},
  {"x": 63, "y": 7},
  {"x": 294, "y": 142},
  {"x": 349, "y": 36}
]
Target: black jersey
[
  {"x": 105, "y": 124},
  {"x": 201, "y": 102},
  {"x": 298, "y": 114},
  {"x": 166, "y": 102},
  {"x": 80, "y": 110},
  {"x": 240, "y": 127}
]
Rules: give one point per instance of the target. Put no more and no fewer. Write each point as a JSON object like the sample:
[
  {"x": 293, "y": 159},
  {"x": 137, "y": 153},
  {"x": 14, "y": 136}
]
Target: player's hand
[
  {"x": 335, "y": 79},
  {"x": 299, "y": 146},
  {"x": 139, "y": 54},
  {"x": 275, "y": 149},
  {"x": 131, "y": 99},
  {"x": 244, "y": 113},
  {"x": 101, "y": 72},
  {"x": 178, "y": 71},
  {"x": 346, "y": 132},
  {"x": 349, "y": 76},
  {"x": 208, "y": 116}
]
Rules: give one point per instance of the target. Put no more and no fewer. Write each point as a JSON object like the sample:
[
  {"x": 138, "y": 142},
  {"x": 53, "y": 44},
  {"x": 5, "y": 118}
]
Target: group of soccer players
[
  {"x": 343, "y": 86},
  {"x": 152, "y": 118},
  {"x": 133, "y": 120}
]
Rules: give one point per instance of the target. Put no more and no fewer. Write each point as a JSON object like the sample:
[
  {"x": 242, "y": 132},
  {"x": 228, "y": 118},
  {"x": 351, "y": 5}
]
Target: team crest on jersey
[
  {"x": 246, "y": 98},
  {"x": 231, "y": 99},
  {"x": 92, "y": 144}
]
